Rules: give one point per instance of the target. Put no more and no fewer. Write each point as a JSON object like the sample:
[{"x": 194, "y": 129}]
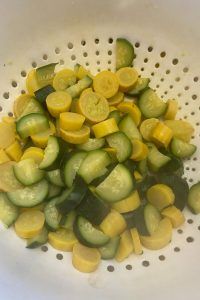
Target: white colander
[{"x": 167, "y": 43}]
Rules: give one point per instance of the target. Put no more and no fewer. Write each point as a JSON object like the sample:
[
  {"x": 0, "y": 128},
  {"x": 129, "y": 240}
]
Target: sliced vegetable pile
[{"x": 94, "y": 164}]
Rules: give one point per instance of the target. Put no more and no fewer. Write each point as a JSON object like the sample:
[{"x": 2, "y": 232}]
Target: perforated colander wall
[{"x": 171, "y": 76}]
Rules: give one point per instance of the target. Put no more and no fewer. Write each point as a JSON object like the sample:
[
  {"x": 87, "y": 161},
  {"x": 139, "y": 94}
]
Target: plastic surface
[{"x": 167, "y": 38}]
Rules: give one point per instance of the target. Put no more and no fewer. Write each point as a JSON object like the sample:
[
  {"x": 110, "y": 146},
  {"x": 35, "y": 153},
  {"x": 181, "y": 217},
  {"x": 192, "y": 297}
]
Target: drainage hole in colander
[
  {"x": 23, "y": 73},
  {"x": 10, "y": 114},
  {"x": 70, "y": 45},
  {"x": 57, "y": 50},
  {"x": 59, "y": 256},
  {"x": 129, "y": 267},
  {"x": 44, "y": 248},
  {"x": 34, "y": 64},
  {"x": 180, "y": 231},
  {"x": 98, "y": 62},
  {"x": 83, "y": 42},
  {"x": 177, "y": 249},
  {"x": 145, "y": 60},
  {"x": 196, "y": 79},
  {"x": 194, "y": 97},
  {"x": 87, "y": 63},
  {"x": 197, "y": 124},
  {"x": 6, "y": 95},
  {"x": 190, "y": 221},
  {"x": 186, "y": 103},
  {"x": 171, "y": 86},
  {"x": 14, "y": 83},
  {"x": 23, "y": 92},
  {"x": 185, "y": 70},
  {"x": 85, "y": 54},
  {"x": 152, "y": 74},
  {"x": 45, "y": 57},
  {"x": 190, "y": 239},
  {"x": 167, "y": 71},
  {"x": 161, "y": 257},
  {"x": 163, "y": 54},
  {"x": 73, "y": 57},
  {"x": 191, "y": 180},
  {"x": 198, "y": 227},
  {"x": 109, "y": 62},
  {"x": 142, "y": 69},
  {"x": 177, "y": 79},
  {"x": 62, "y": 62},
  {"x": 110, "y": 268},
  {"x": 109, "y": 52},
  {"x": 157, "y": 65},
  {"x": 175, "y": 61},
  {"x": 186, "y": 88},
  {"x": 110, "y": 40},
  {"x": 146, "y": 263},
  {"x": 96, "y": 41},
  {"x": 150, "y": 49},
  {"x": 97, "y": 52}
]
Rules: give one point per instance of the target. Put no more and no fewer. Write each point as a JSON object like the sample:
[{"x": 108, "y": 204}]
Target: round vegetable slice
[
  {"x": 63, "y": 79},
  {"x": 171, "y": 111},
  {"x": 7, "y": 135},
  {"x": 160, "y": 195},
  {"x": 85, "y": 259},
  {"x": 62, "y": 239},
  {"x": 29, "y": 224},
  {"x": 106, "y": 83},
  {"x": 32, "y": 84},
  {"x": 93, "y": 106},
  {"x": 139, "y": 150},
  {"x": 116, "y": 99},
  {"x": 130, "y": 203},
  {"x": 58, "y": 102},
  {"x": 35, "y": 153},
  {"x": 124, "y": 53},
  {"x": 105, "y": 128},
  {"x": 127, "y": 78},
  {"x": 71, "y": 121},
  {"x": 20, "y": 103},
  {"x": 113, "y": 224},
  {"x": 182, "y": 130},
  {"x": 132, "y": 109},
  {"x": 147, "y": 127},
  {"x": 76, "y": 137},
  {"x": 194, "y": 198},
  {"x": 125, "y": 246},
  {"x": 41, "y": 139}
]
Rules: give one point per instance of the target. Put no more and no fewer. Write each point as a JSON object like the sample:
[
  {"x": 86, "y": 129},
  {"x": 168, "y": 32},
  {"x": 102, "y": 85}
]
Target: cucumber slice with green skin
[
  {"x": 145, "y": 184},
  {"x": 89, "y": 235},
  {"x": 116, "y": 115},
  {"x": 38, "y": 240},
  {"x": 124, "y": 53},
  {"x": 104, "y": 175},
  {"x": 152, "y": 218},
  {"x": 135, "y": 219},
  {"x": 55, "y": 178},
  {"x": 141, "y": 85},
  {"x": 174, "y": 166},
  {"x": 53, "y": 153},
  {"x": 92, "y": 144},
  {"x": 42, "y": 94},
  {"x": 127, "y": 125},
  {"x": 142, "y": 167},
  {"x": 194, "y": 198},
  {"x": 117, "y": 186},
  {"x": 8, "y": 211},
  {"x": 121, "y": 143},
  {"x": 93, "y": 208},
  {"x": 182, "y": 149},
  {"x": 156, "y": 159},
  {"x": 31, "y": 124},
  {"x": 71, "y": 166},
  {"x": 93, "y": 164},
  {"x": 52, "y": 216},
  {"x": 27, "y": 172},
  {"x": 67, "y": 221},
  {"x": 76, "y": 89},
  {"x": 178, "y": 185},
  {"x": 30, "y": 196},
  {"x": 45, "y": 74},
  {"x": 109, "y": 250},
  {"x": 54, "y": 191},
  {"x": 151, "y": 105},
  {"x": 33, "y": 106},
  {"x": 73, "y": 197},
  {"x": 131, "y": 165}
]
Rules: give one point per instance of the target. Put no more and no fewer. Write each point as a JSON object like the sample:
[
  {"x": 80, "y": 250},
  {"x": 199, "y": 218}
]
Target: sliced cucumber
[
  {"x": 71, "y": 166},
  {"x": 52, "y": 216},
  {"x": 54, "y": 191},
  {"x": 89, "y": 235},
  {"x": 124, "y": 53},
  {"x": 42, "y": 93},
  {"x": 33, "y": 106},
  {"x": 135, "y": 219},
  {"x": 27, "y": 172},
  {"x": 30, "y": 196},
  {"x": 117, "y": 186},
  {"x": 116, "y": 115},
  {"x": 141, "y": 85},
  {"x": 38, "y": 240},
  {"x": 93, "y": 164},
  {"x": 178, "y": 185},
  {"x": 67, "y": 221},
  {"x": 53, "y": 153},
  {"x": 127, "y": 125},
  {"x": 182, "y": 149},
  {"x": 8, "y": 211},
  {"x": 105, "y": 173},
  {"x": 92, "y": 144},
  {"x": 54, "y": 177},
  {"x": 31, "y": 124},
  {"x": 109, "y": 250},
  {"x": 76, "y": 89},
  {"x": 131, "y": 165},
  {"x": 121, "y": 143},
  {"x": 93, "y": 208},
  {"x": 194, "y": 198},
  {"x": 142, "y": 167},
  {"x": 156, "y": 159},
  {"x": 45, "y": 74},
  {"x": 152, "y": 218},
  {"x": 73, "y": 196},
  {"x": 151, "y": 105},
  {"x": 175, "y": 165}
]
